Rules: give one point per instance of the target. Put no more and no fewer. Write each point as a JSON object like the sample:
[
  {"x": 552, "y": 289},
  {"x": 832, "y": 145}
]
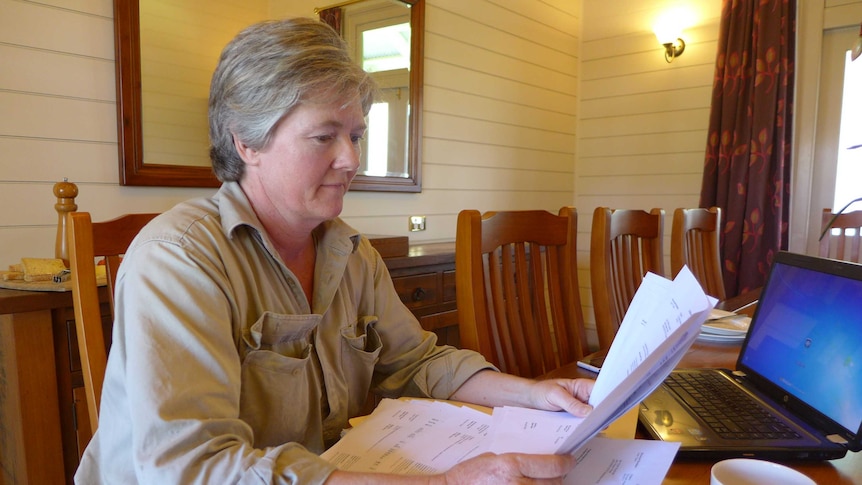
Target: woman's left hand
[
  {"x": 491, "y": 388},
  {"x": 569, "y": 395}
]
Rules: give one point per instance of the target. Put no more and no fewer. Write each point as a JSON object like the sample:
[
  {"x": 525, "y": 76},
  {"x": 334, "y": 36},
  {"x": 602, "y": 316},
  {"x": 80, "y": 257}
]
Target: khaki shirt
[{"x": 221, "y": 372}]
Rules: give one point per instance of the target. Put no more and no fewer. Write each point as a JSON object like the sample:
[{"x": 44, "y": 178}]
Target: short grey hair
[{"x": 265, "y": 72}]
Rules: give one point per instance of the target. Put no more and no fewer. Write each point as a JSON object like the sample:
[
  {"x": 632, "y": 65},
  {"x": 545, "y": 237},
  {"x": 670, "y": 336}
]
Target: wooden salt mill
[{"x": 65, "y": 192}]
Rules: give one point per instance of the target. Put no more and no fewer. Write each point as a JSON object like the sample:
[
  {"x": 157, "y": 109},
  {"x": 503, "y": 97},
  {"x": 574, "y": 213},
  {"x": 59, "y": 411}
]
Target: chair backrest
[
  {"x": 86, "y": 241},
  {"x": 694, "y": 241},
  {"x": 844, "y": 244},
  {"x": 624, "y": 245},
  {"x": 517, "y": 289}
]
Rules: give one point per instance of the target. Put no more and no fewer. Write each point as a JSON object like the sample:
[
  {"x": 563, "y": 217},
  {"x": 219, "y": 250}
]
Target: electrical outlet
[{"x": 417, "y": 223}]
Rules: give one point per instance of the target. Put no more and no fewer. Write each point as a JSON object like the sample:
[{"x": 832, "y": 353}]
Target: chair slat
[{"x": 534, "y": 309}]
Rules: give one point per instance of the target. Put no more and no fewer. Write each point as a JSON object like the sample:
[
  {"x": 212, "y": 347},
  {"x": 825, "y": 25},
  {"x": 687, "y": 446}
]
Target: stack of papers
[
  {"x": 723, "y": 326},
  {"x": 412, "y": 437},
  {"x": 423, "y": 437}
]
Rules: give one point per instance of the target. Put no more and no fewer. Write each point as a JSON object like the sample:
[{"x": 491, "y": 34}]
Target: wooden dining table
[{"x": 844, "y": 471}]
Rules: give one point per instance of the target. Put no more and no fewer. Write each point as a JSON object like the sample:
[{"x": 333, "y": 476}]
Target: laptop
[{"x": 801, "y": 361}]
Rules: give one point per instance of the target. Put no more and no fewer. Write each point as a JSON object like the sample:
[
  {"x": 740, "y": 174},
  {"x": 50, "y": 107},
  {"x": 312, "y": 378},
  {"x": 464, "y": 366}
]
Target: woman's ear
[{"x": 246, "y": 153}]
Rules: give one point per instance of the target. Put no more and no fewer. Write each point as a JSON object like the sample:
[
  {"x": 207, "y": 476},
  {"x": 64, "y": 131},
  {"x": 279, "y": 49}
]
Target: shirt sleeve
[{"x": 411, "y": 363}]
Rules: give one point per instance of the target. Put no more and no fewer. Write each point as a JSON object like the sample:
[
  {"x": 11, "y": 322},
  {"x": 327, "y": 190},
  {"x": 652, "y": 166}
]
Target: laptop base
[{"x": 663, "y": 417}]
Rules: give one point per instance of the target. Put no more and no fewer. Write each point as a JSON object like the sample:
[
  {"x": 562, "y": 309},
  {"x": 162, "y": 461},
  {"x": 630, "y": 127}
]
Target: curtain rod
[{"x": 337, "y": 5}]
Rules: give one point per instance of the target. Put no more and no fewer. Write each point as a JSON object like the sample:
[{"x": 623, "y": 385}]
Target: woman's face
[{"x": 301, "y": 176}]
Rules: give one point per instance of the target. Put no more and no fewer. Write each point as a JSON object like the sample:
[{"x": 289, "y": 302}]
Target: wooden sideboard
[
  {"x": 41, "y": 386},
  {"x": 425, "y": 281}
]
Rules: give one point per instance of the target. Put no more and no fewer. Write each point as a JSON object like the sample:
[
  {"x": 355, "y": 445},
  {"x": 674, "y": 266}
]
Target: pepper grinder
[{"x": 65, "y": 192}]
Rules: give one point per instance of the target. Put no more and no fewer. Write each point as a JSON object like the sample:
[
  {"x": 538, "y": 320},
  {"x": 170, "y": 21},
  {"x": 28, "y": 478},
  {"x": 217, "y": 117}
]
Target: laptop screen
[{"x": 807, "y": 335}]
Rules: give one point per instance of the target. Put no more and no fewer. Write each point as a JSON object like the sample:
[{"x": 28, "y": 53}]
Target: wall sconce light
[
  {"x": 674, "y": 49},
  {"x": 668, "y": 31},
  {"x": 673, "y": 44}
]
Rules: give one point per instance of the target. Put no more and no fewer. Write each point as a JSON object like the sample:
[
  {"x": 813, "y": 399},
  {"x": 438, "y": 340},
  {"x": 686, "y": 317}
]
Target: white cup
[{"x": 746, "y": 471}]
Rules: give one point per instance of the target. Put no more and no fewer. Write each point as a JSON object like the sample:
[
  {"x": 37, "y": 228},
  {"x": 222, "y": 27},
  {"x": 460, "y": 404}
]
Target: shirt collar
[{"x": 235, "y": 210}]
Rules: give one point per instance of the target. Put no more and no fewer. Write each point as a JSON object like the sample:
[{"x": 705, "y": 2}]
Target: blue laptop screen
[{"x": 808, "y": 340}]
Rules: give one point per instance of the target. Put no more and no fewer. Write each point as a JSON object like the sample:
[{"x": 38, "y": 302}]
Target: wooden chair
[
  {"x": 517, "y": 289},
  {"x": 624, "y": 246},
  {"x": 86, "y": 241},
  {"x": 844, "y": 243},
  {"x": 694, "y": 241}
]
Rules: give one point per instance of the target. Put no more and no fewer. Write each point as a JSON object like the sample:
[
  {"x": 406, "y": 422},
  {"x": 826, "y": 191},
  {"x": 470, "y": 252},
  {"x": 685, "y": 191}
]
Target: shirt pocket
[
  {"x": 281, "y": 380},
  {"x": 360, "y": 350}
]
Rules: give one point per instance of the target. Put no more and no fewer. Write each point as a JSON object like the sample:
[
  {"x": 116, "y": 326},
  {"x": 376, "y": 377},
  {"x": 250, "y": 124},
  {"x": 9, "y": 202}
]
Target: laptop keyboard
[{"x": 725, "y": 408}]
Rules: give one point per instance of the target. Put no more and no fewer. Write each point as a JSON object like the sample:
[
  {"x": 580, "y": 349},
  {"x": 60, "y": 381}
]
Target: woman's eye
[
  {"x": 323, "y": 138},
  {"x": 356, "y": 138}
]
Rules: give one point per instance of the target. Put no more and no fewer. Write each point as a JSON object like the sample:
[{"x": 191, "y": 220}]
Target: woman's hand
[
  {"x": 569, "y": 395},
  {"x": 488, "y": 468},
  {"x": 491, "y": 388},
  {"x": 494, "y": 469}
]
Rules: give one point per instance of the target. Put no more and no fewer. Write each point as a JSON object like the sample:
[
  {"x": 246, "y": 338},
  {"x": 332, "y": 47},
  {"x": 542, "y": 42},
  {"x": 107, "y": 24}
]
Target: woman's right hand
[
  {"x": 488, "y": 468},
  {"x": 494, "y": 469}
]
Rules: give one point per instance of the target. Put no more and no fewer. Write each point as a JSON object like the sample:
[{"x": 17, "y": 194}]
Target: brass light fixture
[{"x": 674, "y": 49}]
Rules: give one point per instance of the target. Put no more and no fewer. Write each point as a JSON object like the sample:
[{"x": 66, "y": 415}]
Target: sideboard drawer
[{"x": 418, "y": 290}]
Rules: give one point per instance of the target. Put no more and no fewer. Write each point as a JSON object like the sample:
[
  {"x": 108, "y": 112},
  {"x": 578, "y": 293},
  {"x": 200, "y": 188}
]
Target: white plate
[
  {"x": 708, "y": 337},
  {"x": 732, "y": 325},
  {"x": 715, "y": 314}
]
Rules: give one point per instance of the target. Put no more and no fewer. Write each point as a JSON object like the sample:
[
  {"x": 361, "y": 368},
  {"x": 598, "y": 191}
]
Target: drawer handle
[{"x": 419, "y": 294}]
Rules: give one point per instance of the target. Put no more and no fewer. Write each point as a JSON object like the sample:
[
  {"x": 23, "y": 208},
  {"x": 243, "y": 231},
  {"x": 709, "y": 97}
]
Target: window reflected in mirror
[{"x": 385, "y": 55}]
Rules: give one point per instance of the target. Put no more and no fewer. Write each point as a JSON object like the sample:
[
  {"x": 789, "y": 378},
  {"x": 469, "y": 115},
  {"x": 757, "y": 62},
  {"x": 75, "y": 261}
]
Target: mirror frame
[{"x": 135, "y": 171}]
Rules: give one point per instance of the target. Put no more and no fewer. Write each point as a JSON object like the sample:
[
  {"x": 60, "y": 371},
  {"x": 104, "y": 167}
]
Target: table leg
[{"x": 31, "y": 448}]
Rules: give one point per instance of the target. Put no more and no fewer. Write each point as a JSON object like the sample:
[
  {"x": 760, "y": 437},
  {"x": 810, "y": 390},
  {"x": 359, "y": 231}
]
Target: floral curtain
[{"x": 747, "y": 165}]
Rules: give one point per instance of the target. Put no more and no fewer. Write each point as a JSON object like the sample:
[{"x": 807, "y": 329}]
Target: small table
[
  {"x": 41, "y": 387},
  {"x": 30, "y": 411}
]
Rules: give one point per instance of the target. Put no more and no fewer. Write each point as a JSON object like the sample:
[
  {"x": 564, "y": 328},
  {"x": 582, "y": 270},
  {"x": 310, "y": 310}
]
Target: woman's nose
[{"x": 348, "y": 155}]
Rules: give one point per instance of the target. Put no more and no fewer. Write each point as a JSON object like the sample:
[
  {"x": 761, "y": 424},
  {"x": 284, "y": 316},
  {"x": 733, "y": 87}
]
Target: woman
[{"x": 251, "y": 325}]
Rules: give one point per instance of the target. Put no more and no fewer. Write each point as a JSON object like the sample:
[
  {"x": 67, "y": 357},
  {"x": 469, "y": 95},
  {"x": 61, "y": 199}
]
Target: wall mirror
[{"x": 166, "y": 51}]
